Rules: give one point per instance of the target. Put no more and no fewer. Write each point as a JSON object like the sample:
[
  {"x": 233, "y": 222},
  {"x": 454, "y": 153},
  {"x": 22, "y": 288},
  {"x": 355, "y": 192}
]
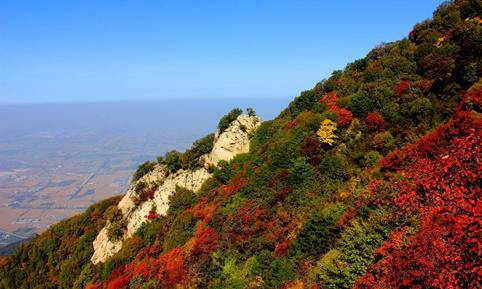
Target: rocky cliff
[{"x": 232, "y": 141}]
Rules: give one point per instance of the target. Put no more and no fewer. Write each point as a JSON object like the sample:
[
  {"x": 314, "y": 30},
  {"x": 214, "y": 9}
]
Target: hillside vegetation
[{"x": 371, "y": 179}]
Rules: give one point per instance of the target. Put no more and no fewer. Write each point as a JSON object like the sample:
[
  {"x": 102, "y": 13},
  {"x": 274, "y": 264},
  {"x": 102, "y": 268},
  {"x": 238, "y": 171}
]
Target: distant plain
[{"x": 57, "y": 159}]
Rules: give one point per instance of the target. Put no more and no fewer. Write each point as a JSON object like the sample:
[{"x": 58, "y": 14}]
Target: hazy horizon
[{"x": 58, "y": 158}]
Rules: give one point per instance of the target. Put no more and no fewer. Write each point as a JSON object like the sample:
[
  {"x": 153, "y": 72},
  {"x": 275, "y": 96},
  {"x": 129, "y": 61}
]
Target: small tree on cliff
[{"x": 228, "y": 118}]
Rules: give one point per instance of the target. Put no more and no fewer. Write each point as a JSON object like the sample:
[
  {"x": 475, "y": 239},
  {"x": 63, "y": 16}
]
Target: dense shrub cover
[
  {"x": 441, "y": 185},
  {"x": 385, "y": 194},
  {"x": 60, "y": 257},
  {"x": 375, "y": 121}
]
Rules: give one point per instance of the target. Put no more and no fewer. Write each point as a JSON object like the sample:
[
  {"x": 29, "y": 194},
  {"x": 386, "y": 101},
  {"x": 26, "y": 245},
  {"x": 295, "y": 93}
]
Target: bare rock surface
[{"x": 234, "y": 140}]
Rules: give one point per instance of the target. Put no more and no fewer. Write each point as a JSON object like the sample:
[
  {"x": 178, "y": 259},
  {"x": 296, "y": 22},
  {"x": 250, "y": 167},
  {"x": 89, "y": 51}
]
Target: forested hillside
[{"x": 371, "y": 179}]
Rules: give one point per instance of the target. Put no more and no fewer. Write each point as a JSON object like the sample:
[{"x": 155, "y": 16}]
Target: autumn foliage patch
[
  {"x": 402, "y": 86},
  {"x": 375, "y": 121},
  {"x": 343, "y": 116},
  {"x": 440, "y": 184}
]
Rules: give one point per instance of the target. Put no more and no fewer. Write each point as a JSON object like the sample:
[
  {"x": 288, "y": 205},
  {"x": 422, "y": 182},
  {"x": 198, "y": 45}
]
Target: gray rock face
[{"x": 234, "y": 140}]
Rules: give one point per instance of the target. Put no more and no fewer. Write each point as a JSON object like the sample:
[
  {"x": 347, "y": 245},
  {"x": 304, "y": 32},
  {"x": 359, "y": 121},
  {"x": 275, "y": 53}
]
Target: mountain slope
[
  {"x": 369, "y": 180},
  {"x": 148, "y": 196},
  {"x": 54, "y": 257}
]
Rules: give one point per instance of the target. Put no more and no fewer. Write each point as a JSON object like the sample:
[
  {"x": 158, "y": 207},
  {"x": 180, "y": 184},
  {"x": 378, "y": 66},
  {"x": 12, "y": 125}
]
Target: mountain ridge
[{"x": 369, "y": 180}]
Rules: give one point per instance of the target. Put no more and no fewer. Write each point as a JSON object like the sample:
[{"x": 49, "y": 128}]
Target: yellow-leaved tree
[{"x": 326, "y": 133}]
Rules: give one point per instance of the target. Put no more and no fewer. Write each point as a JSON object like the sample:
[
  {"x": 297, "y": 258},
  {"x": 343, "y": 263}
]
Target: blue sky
[{"x": 68, "y": 51}]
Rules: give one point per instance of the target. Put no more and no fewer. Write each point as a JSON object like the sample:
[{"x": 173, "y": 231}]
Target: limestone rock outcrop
[{"x": 234, "y": 140}]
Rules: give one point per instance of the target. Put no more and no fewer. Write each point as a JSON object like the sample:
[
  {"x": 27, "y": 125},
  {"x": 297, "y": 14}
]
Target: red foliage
[
  {"x": 234, "y": 185},
  {"x": 375, "y": 121},
  {"x": 206, "y": 241},
  {"x": 343, "y": 116},
  {"x": 204, "y": 210},
  {"x": 117, "y": 272},
  {"x": 150, "y": 192},
  {"x": 286, "y": 191},
  {"x": 432, "y": 143},
  {"x": 141, "y": 269},
  {"x": 206, "y": 207},
  {"x": 281, "y": 249},
  {"x": 251, "y": 221},
  {"x": 146, "y": 268},
  {"x": 169, "y": 269},
  {"x": 154, "y": 249},
  {"x": 402, "y": 87},
  {"x": 172, "y": 270},
  {"x": 311, "y": 149},
  {"x": 394, "y": 242},
  {"x": 329, "y": 99},
  {"x": 290, "y": 124},
  {"x": 118, "y": 278},
  {"x": 152, "y": 215},
  {"x": 471, "y": 100},
  {"x": 119, "y": 282},
  {"x": 440, "y": 185},
  {"x": 391, "y": 162}
]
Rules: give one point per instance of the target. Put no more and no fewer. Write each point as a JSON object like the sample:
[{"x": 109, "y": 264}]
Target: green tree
[
  {"x": 143, "y": 169},
  {"x": 199, "y": 147},
  {"x": 226, "y": 120},
  {"x": 173, "y": 160},
  {"x": 362, "y": 103}
]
